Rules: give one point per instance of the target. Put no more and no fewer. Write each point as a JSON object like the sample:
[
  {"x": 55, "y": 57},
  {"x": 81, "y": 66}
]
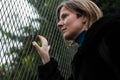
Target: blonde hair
[{"x": 86, "y": 8}]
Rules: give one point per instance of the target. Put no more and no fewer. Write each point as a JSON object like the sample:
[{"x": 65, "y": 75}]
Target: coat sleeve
[{"x": 50, "y": 71}]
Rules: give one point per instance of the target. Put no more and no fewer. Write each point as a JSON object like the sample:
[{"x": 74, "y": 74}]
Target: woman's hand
[{"x": 43, "y": 50}]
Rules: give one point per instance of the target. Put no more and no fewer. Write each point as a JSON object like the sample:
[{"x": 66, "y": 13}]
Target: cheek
[
  {"x": 69, "y": 20},
  {"x": 76, "y": 26}
]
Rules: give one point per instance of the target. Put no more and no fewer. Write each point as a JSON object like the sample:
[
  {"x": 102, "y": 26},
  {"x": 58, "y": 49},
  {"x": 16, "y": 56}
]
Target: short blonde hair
[{"x": 86, "y": 8}]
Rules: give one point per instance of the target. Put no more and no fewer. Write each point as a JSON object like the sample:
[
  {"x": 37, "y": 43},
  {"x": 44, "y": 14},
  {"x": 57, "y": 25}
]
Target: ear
[
  {"x": 84, "y": 19},
  {"x": 85, "y": 22}
]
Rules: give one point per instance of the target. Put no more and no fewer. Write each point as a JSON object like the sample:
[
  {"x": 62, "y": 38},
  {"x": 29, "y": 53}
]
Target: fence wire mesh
[{"x": 20, "y": 22}]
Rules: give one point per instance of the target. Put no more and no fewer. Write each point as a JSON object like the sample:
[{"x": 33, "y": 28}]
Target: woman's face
[{"x": 69, "y": 24}]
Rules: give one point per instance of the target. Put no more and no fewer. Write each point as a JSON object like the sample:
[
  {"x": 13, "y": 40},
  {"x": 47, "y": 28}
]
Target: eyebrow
[{"x": 64, "y": 15}]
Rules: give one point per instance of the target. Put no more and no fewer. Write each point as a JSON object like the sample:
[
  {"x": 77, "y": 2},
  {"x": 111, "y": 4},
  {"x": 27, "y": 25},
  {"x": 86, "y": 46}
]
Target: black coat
[{"x": 98, "y": 57}]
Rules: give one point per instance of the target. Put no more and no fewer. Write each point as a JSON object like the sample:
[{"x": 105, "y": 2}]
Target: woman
[{"x": 91, "y": 62}]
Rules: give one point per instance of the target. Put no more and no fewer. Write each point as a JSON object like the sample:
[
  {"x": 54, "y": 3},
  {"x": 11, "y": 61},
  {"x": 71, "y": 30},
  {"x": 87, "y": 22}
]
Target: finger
[
  {"x": 36, "y": 45},
  {"x": 43, "y": 40}
]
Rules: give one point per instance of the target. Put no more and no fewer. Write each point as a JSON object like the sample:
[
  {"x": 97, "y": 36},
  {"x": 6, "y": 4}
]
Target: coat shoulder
[{"x": 106, "y": 27}]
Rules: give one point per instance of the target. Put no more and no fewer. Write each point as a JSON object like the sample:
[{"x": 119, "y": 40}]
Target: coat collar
[{"x": 80, "y": 38}]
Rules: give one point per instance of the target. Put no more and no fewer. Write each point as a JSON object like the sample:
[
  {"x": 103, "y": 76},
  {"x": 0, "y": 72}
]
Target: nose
[{"x": 60, "y": 23}]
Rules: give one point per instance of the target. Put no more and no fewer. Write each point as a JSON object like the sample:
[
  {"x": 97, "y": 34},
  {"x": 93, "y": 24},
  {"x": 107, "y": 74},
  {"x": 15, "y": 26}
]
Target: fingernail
[{"x": 33, "y": 43}]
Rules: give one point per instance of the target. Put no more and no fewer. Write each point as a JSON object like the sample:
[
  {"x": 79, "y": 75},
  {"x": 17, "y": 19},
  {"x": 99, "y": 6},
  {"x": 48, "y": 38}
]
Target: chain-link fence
[{"x": 20, "y": 22}]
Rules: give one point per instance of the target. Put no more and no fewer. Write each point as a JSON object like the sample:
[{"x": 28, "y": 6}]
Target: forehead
[{"x": 64, "y": 10}]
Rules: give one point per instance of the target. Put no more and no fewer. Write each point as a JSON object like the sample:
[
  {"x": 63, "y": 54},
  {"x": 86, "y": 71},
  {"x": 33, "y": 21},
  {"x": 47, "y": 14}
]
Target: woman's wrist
[{"x": 46, "y": 59}]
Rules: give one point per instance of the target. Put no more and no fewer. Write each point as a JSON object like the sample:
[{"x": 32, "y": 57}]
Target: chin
[{"x": 68, "y": 37}]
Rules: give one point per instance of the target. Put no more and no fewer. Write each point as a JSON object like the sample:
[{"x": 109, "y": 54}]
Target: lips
[{"x": 63, "y": 30}]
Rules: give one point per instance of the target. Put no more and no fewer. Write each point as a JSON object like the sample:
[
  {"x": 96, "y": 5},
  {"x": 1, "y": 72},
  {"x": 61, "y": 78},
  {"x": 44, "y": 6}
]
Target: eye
[{"x": 64, "y": 16}]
